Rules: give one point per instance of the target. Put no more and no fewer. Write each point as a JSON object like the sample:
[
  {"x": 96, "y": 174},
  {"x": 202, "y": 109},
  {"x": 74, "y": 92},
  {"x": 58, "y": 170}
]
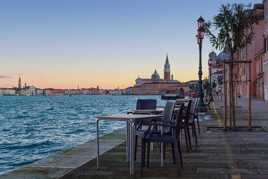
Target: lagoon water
[{"x": 31, "y": 128}]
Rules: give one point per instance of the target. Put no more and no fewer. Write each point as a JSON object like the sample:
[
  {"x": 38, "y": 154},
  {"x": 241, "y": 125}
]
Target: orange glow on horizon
[{"x": 111, "y": 81}]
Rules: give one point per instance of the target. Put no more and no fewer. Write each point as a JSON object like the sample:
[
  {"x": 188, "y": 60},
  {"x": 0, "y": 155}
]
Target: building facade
[
  {"x": 7, "y": 91},
  {"x": 265, "y": 54},
  {"x": 254, "y": 53},
  {"x": 28, "y": 91},
  {"x": 258, "y": 43}
]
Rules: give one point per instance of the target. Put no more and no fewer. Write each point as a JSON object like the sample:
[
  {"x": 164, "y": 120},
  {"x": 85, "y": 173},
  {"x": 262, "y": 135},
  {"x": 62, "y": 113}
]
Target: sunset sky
[{"x": 65, "y": 43}]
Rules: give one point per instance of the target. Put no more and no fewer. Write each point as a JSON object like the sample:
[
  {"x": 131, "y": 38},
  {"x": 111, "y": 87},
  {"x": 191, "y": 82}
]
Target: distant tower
[
  {"x": 167, "y": 69},
  {"x": 19, "y": 83}
]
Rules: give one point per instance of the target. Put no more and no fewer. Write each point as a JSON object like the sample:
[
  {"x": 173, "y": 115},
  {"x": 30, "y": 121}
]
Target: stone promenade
[
  {"x": 233, "y": 154},
  {"x": 238, "y": 154}
]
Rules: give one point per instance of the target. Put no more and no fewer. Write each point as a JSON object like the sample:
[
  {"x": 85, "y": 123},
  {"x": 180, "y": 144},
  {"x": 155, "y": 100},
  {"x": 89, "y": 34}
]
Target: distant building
[
  {"x": 54, "y": 92},
  {"x": 40, "y": 92},
  {"x": 7, "y": 91},
  {"x": 191, "y": 88},
  {"x": 116, "y": 92},
  {"x": 215, "y": 64},
  {"x": 28, "y": 91},
  {"x": 155, "y": 85}
]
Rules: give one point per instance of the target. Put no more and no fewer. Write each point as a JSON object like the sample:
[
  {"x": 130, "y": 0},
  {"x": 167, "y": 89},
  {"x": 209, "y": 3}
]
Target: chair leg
[
  {"x": 164, "y": 150},
  {"x": 189, "y": 137},
  {"x": 186, "y": 139},
  {"x": 194, "y": 134},
  {"x": 148, "y": 154},
  {"x": 180, "y": 153},
  {"x": 142, "y": 156},
  {"x": 136, "y": 146},
  {"x": 173, "y": 153},
  {"x": 177, "y": 155},
  {"x": 197, "y": 121}
]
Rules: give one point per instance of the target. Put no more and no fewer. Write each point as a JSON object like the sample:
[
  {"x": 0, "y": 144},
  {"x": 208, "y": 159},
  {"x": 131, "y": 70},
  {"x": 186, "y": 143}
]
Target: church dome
[{"x": 155, "y": 76}]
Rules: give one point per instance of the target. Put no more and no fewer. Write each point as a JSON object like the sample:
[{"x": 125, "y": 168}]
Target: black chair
[
  {"x": 195, "y": 114},
  {"x": 190, "y": 121},
  {"x": 167, "y": 115},
  {"x": 186, "y": 123},
  {"x": 143, "y": 104},
  {"x": 146, "y": 104},
  {"x": 168, "y": 133}
]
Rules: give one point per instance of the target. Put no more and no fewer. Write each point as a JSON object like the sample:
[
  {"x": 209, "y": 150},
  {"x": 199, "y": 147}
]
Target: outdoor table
[
  {"x": 149, "y": 111},
  {"x": 130, "y": 119}
]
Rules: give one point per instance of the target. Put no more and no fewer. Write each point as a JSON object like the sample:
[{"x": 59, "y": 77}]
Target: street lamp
[{"x": 200, "y": 37}]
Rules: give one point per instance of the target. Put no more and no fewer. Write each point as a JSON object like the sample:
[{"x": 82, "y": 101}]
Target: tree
[{"x": 233, "y": 27}]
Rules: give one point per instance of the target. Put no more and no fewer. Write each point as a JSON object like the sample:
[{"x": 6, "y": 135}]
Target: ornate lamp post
[{"x": 200, "y": 37}]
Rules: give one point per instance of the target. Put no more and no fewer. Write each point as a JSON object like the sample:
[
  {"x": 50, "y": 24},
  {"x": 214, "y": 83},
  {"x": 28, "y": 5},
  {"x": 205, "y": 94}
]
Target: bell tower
[
  {"x": 167, "y": 69},
  {"x": 19, "y": 83}
]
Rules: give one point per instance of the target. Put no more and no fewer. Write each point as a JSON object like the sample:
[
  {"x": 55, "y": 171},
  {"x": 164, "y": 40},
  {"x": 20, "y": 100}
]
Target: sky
[{"x": 106, "y": 43}]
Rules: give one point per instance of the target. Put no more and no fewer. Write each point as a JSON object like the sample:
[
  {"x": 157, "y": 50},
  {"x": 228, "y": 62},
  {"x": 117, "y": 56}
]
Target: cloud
[{"x": 5, "y": 77}]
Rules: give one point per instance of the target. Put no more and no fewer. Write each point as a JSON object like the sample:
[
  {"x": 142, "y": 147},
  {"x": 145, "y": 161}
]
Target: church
[{"x": 155, "y": 85}]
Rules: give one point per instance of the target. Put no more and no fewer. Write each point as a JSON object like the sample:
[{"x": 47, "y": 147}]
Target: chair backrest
[
  {"x": 179, "y": 118},
  {"x": 187, "y": 110},
  {"x": 146, "y": 104},
  {"x": 179, "y": 102},
  {"x": 169, "y": 109},
  {"x": 168, "y": 114},
  {"x": 196, "y": 105},
  {"x": 193, "y": 107}
]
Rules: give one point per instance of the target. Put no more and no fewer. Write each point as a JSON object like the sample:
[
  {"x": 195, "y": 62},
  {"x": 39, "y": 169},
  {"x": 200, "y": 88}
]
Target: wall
[{"x": 265, "y": 55}]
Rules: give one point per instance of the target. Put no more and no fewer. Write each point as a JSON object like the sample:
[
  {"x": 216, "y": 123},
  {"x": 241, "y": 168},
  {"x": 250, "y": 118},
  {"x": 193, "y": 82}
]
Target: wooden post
[
  {"x": 249, "y": 98},
  {"x": 231, "y": 93},
  {"x": 225, "y": 96}
]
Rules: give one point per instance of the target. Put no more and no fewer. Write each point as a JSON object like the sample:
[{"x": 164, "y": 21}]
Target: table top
[
  {"x": 145, "y": 111},
  {"x": 128, "y": 116},
  {"x": 183, "y": 100}
]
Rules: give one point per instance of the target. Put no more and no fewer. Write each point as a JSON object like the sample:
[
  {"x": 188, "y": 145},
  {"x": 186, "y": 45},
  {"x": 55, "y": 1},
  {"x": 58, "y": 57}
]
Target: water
[{"x": 34, "y": 127}]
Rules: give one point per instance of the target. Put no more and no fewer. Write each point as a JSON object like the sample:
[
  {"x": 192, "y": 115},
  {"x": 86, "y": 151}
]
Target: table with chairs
[{"x": 149, "y": 125}]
